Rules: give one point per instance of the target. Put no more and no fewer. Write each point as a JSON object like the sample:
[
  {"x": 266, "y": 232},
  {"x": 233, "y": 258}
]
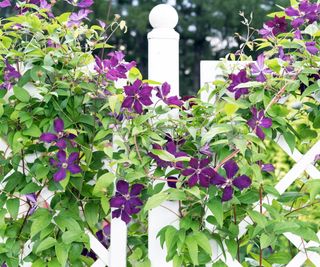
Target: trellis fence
[{"x": 164, "y": 66}]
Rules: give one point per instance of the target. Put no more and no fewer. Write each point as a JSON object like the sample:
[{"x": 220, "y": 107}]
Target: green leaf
[
  {"x": 230, "y": 108},
  {"x": 33, "y": 131},
  {"x": 232, "y": 247},
  {"x": 30, "y": 188},
  {"x": 103, "y": 182},
  {"x": 203, "y": 242},
  {"x": 219, "y": 263},
  {"x": 192, "y": 248},
  {"x": 61, "y": 251},
  {"x": 266, "y": 240},
  {"x": 40, "y": 220},
  {"x": 13, "y": 207},
  {"x": 170, "y": 237},
  {"x": 21, "y": 94},
  {"x": 177, "y": 261},
  {"x": 46, "y": 243},
  {"x": 215, "y": 206},
  {"x": 215, "y": 130},
  {"x": 280, "y": 258},
  {"x": 258, "y": 218},
  {"x": 280, "y": 227},
  {"x": 164, "y": 155},
  {"x": 91, "y": 212},
  {"x": 71, "y": 236},
  {"x": 156, "y": 200}
]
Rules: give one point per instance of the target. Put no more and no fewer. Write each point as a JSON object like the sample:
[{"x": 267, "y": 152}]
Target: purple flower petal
[
  {"x": 204, "y": 180},
  {"x": 125, "y": 217},
  {"x": 85, "y": 3},
  {"x": 227, "y": 193},
  {"x": 217, "y": 179},
  {"x": 128, "y": 102},
  {"x": 146, "y": 100},
  {"x": 311, "y": 48},
  {"x": 187, "y": 172},
  {"x": 194, "y": 163},
  {"x": 204, "y": 162},
  {"x": 73, "y": 157},
  {"x": 58, "y": 125},
  {"x": 117, "y": 202},
  {"x": 137, "y": 106},
  {"x": 61, "y": 155},
  {"x": 174, "y": 100},
  {"x": 136, "y": 189},
  {"x": 31, "y": 197},
  {"x": 296, "y": 23},
  {"x": 5, "y": 3},
  {"x": 242, "y": 182},
  {"x": 116, "y": 213},
  {"x": 62, "y": 144},
  {"x": 73, "y": 168},
  {"x": 291, "y": 12},
  {"x": 60, "y": 175},
  {"x": 231, "y": 168},
  {"x": 266, "y": 123},
  {"x": 193, "y": 180},
  {"x": 48, "y": 137},
  {"x": 267, "y": 167},
  {"x": 260, "y": 133},
  {"x": 123, "y": 187}
]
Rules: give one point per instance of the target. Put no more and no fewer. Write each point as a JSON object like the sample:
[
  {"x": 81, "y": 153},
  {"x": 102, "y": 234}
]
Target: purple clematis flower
[
  {"x": 10, "y": 76},
  {"x": 172, "y": 148},
  {"x": 311, "y": 48},
  {"x": 32, "y": 200},
  {"x": 266, "y": 31},
  {"x": 237, "y": 79},
  {"x": 137, "y": 95},
  {"x": 81, "y": 4},
  {"x": 259, "y": 120},
  {"x": 75, "y": 19},
  {"x": 199, "y": 171},
  {"x": 305, "y": 12},
  {"x": 163, "y": 92},
  {"x": 5, "y": 3},
  {"x": 259, "y": 70},
  {"x": 65, "y": 164},
  {"x": 267, "y": 167},
  {"x": 126, "y": 203},
  {"x": 227, "y": 184},
  {"x": 115, "y": 67},
  {"x": 278, "y": 25},
  {"x": 59, "y": 138}
]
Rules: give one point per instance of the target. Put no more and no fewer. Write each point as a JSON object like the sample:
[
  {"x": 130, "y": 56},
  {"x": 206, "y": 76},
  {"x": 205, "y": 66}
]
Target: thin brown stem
[
  {"x": 303, "y": 207},
  {"x": 231, "y": 156}
]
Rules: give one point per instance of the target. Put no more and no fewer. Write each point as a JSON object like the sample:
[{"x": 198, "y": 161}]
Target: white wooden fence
[{"x": 164, "y": 66}]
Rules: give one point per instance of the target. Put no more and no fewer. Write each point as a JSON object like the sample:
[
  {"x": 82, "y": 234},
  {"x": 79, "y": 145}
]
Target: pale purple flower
[
  {"x": 81, "y": 4},
  {"x": 227, "y": 184},
  {"x": 259, "y": 69},
  {"x": 5, "y": 3},
  {"x": 199, "y": 171},
  {"x": 65, "y": 164},
  {"x": 32, "y": 201},
  {"x": 137, "y": 95},
  {"x": 312, "y": 48},
  {"x": 267, "y": 167},
  {"x": 75, "y": 19},
  {"x": 297, "y": 34},
  {"x": 126, "y": 201},
  {"x": 205, "y": 150},
  {"x": 237, "y": 79},
  {"x": 259, "y": 121}
]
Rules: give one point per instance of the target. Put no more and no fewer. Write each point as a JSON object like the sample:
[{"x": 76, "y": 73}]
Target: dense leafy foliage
[{"x": 100, "y": 142}]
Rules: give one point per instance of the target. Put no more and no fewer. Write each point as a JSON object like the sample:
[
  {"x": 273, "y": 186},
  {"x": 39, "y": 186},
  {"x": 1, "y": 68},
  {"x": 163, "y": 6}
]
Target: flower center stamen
[{"x": 64, "y": 165}]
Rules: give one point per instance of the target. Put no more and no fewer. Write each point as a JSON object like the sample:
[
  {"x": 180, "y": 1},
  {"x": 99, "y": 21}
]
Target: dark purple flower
[
  {"x": 65, "y": 164},
  {"x": 259, "y": 70},
  {"x": 227, "y": 184},
  {"x": 126, "y": 202},
  {"x": 5, "y": 3},
  {"x": 306, "y": 12},
  {"x": 257, "y": 121},
  {"x": 59, "y": 138},
  {"x": 237, "y": 79},
  {"x": 267, "y": 167},
  {"x": 137, "y": 95},
  {"x": 278, "y": 25},
  {"x": 199, "y": 171},
  {"x": 163, "y": 92},
  {"x": 75, "y": 19},
  {"x": 10, "y": 76},
  {"x": 81, "y": 4},
  {"x": 115, "y": 67},
  {"x": 311, "y": 48}
]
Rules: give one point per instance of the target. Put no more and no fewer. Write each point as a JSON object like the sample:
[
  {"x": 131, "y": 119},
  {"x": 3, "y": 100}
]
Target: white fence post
[{"x": 163, "y": 66}]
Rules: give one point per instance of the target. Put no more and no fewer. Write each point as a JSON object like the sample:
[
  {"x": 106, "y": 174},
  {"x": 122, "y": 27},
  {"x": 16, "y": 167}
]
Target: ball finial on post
[{"x": 163, "y": 16}]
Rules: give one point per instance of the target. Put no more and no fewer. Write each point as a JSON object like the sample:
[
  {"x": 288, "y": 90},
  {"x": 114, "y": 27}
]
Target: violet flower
[
  {"x": 172, "y": 148},
  {"x": 59, "y": 138},
  {"x": 126, "y": 202},
  {"x": 10, "y": 76},
  {"x": 278, "y": 25},
  {"x": 65, "y": 164},
  {"x": 5, "y": 3},
  {"x": 257, "y": 121},
  {"x": 237, "y": 79},
  {"x": 205, "y": 150},
  {"x": 75, "y": 19},
  {"x": 227, "y": 184},
  {"x": 81, "y": 4},
  {"x": 163, "y": 92},
  {"x": 311, "y": 48},
  {"x": 32, "y": 201},
  {"x": 259, "y": 70},
  {"x": 306, "y": 12},
  {"x": 137, "y": 95},
  {"x": 115, "y": 67},
  {"x": 267, "y": 167},
  {"x": 199, "y": 171}
]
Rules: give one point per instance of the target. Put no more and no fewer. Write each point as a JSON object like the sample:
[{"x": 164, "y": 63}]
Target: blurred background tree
[{"x": 207, "y": 29}]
